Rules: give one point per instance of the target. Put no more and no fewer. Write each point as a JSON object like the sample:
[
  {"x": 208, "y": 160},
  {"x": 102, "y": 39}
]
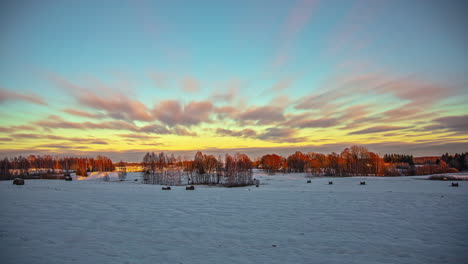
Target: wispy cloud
[
  {"x": 83, "y": 113},
  {"x": 12, "y": 129},
  {"x": 55, "y": 122},
  {"x": 113, "y": 101},
  {"x": 457, "y": 124},
  {"x": 138, "y": 136},
  {"x": 377, "y": 129},
  {"x": 247, "y": 132},
  {"x": 7, "y": 95},
  {"x": 281, "y": 135}
]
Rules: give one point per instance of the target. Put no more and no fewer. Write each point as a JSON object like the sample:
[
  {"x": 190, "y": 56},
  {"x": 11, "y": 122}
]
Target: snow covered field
[{"x": 286, "y": 220}]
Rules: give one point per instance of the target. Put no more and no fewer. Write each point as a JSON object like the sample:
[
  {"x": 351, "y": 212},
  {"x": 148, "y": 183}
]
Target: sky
[{"x": 258, "y": 76}]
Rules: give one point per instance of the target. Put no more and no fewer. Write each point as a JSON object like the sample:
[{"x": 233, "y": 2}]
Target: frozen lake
[{"x": 286, "y": 220}]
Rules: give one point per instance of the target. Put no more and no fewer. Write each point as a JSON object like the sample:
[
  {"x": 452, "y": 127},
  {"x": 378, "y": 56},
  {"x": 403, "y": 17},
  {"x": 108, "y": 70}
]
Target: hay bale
[
  {"x": 309, "y": 181},
  {"x": 191, "y": 188},
  {"x": 330, "y": 183},
  {"x": 68, "y": 178},
  {"x": 18, "y": 181},
  {"x": 168, "y": 188},
  {"x": 362, "y": 183},
  {"x": 454, "y": 184}
]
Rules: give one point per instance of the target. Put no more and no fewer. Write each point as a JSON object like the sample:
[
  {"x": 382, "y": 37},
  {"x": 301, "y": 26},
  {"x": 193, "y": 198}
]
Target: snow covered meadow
[{"x": 285, "y": 220}]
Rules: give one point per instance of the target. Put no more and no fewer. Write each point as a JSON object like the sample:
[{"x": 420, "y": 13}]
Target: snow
[
  {"x": 388, "y": 220},
  {"x": 92, "y": 176}
]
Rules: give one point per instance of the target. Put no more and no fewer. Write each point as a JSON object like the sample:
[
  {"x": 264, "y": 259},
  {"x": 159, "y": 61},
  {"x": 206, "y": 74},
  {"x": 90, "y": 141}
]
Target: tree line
[
  {"x": 357, "y": 160},
  {"x": 457, "y": 161},
  {"x": 48, "y": 165},
  {"x": 399, "y": 158}
]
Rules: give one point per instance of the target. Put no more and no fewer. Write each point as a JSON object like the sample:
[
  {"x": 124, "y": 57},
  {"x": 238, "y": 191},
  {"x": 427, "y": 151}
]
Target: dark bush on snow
[
  {"x": 18, "y": 181},
  {"x": 168, "y": 188},
  {"x": 68, "y": 178},
  {"x": 190, "y": 188},
  {"x": 362, "y": 183}
]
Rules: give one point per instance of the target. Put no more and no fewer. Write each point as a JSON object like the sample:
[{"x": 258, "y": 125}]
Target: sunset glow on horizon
[{"x": 126, "y": 77}]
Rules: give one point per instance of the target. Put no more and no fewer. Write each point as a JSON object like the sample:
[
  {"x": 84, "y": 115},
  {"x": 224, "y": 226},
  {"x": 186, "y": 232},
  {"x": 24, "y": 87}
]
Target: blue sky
[{"x": 239, "y": 54}]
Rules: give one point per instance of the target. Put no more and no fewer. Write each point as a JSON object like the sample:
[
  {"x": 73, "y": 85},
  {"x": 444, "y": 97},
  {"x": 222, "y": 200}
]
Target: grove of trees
[
  {"x": 457, "y": 161},
  {"x": 397, "y": 158},
  {"x": 203, "y": 169},
  {"x": 160, "y": 169}
]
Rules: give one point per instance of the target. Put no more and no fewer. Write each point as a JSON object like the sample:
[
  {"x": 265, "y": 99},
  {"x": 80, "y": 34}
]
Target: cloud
[
  {"x": 83, "y": 113},
  {"x": 247, "y": 132},
  {"x": 59, "y": 146},
  {"x": 356, "y": 101},
  {"x": 377, "y": 129},
  {"x": 181, "y": 131},
  {"x": 5, "y": 139},
  {"x": 281, "y": 135},
  {"x": 263, "y": 115},
  {"x": 137, "y": 136},
  {"x": 190, "y": 84},
  {"x": 12, "y": 129},
  {"x": 224, "y": 110},
  {"x": 416, "y": 92},
  {"x": 315, "y": 123},
  {"x": 117, "y": 105},
  {"x": 6, "y": 95},
  {"x": 24, "y": 136},
  {"x": 452, "y": 123},
  {"x": 54, "y": 122},
  {"x": 97, "y": 142},
  {"x": 113, "y": 101},
  {"x": 272, "y": 134},
  {"x": 152, "y": 128},
  {"x": 27, "y": 136},
  {"x": 172, "y": 112}
]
